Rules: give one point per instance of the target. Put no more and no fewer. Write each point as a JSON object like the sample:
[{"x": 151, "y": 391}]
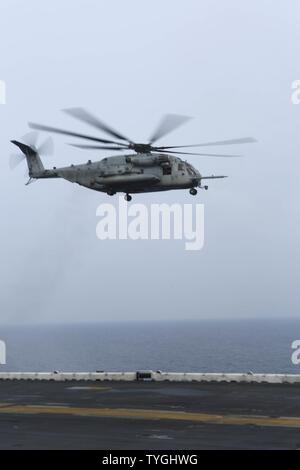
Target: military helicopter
[{"x": 150, "y": 168}]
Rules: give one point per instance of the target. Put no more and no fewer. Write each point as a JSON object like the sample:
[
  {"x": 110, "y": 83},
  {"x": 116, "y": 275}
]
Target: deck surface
[{"x": 148, "y": 415}]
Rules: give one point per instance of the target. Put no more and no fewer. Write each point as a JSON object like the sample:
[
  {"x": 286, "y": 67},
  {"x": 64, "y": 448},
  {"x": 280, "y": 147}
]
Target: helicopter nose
[{"x": 195, "y": 180}]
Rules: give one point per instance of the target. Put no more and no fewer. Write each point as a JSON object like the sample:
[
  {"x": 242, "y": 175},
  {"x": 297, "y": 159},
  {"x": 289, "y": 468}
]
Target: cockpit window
[
  {"x": 180, "y": 166},
  {"x": 167, "y": 170},
  {"x": 190, "y": 169}
]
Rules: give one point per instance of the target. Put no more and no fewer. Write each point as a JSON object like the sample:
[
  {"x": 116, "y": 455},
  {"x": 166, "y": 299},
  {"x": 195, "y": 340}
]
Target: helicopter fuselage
[{"x": 136, "y": 173}]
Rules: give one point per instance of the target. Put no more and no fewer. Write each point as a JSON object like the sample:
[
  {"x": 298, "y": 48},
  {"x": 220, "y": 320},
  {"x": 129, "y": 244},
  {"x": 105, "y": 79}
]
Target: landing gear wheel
[
  {"x": 193, "y": 191},
  {"x": 206, "y": 188},
  {"x": 127, "y": 197},
  {"x": 110, "y": 192}
]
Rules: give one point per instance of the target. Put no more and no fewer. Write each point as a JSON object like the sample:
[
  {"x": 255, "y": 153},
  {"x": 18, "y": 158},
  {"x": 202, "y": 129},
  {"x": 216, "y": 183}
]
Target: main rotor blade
[
  {"x": 56, "y": 130},
  {"x": 168, "y": 124},
  {"x": 85, "y": 116},
  {"x": 97, "y": 147},
  {"x": 201, "y": 154},
  {"x": 244, "y": 140}
]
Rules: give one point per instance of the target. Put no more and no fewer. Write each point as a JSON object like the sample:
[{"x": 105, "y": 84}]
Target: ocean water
[{"x": 195, "y": 346}]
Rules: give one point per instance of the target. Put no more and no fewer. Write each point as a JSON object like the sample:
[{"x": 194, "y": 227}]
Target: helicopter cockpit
[{"x": 185, "y": 166}]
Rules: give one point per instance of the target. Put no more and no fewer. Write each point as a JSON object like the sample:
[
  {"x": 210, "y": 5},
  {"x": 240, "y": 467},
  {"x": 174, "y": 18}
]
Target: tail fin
[{"x": 35, "y": 165}]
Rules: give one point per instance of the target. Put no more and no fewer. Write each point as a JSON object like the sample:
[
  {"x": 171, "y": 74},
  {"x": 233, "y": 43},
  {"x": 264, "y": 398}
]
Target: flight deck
[{"x": 149, "y": 414}]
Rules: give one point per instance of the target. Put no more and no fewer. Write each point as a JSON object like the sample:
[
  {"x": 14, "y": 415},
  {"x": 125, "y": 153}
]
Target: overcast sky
[{"x": 230, "y": 65}]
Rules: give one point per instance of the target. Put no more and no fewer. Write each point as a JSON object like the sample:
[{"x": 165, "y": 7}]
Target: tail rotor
[{"x": 31, "y": 151}]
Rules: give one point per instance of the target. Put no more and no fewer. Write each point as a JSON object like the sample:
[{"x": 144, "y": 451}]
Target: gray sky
[{"x": 228, "y": 63}]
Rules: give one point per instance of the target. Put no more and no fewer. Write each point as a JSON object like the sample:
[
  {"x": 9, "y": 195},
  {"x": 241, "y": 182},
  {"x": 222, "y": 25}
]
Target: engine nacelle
[{"x": 147, "y": 160}]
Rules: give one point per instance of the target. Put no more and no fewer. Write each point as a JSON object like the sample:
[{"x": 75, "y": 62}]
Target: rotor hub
[{"x": 140, "y": 148}]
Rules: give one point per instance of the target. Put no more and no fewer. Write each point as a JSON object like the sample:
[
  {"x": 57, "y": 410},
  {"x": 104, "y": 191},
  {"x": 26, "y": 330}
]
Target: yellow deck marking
[{"x": 152, "y": 415}]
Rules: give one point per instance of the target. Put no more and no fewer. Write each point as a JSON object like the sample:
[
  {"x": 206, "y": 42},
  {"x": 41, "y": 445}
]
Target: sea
[{"x": 254, "y": 345}]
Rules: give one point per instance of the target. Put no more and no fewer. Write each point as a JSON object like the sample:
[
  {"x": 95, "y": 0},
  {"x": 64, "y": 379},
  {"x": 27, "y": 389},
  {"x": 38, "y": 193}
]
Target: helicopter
[{"x": 148, "y": 168}]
